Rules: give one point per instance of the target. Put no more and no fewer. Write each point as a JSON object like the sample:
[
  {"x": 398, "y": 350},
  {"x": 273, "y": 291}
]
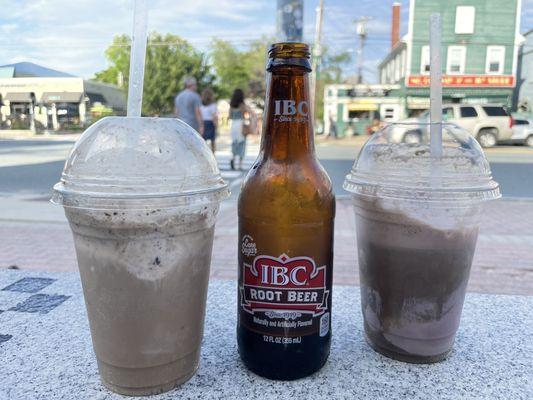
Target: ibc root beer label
[{"x": 282, "y": 295}]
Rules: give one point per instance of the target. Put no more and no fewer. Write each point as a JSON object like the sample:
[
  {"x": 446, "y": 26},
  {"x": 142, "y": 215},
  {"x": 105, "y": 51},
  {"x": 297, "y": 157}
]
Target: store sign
[
  {"x": 368, "y": 92},
  {"x": 464, "y": 81}
]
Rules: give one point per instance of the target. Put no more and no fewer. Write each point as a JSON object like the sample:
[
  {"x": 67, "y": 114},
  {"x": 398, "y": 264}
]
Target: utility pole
[
  {"x": 317, "y": 54},
  {"x": 362, "y": 33}
]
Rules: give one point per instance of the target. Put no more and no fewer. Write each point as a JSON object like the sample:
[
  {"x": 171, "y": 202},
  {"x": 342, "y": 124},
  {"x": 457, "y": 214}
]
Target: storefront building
[
  {"x": 524, "y": 88},
  {"x": 38, "y": 98},
  {"x": 480, "y": 44},
  {"x": 352, "y": 108}
]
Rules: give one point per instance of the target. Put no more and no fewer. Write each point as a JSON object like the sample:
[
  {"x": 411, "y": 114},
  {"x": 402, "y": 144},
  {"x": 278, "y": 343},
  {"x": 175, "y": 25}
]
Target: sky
[{"x": 71, "y": 36}]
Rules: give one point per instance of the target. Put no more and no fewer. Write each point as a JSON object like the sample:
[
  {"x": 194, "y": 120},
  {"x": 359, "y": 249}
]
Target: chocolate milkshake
[
  {"x": 145, "y": 281},
  {"x": 413, "y": 282},
  {"x": 141, "y": 196},
  {"x": 417, "y": 224}
]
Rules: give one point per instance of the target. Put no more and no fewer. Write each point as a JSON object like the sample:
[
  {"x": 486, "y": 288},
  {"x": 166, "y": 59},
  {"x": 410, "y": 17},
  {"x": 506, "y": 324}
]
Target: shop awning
[
  {"x": 61, "y": 97},
  {"x": 18, "y": 97},
  {"x": 362, "y": 107}
]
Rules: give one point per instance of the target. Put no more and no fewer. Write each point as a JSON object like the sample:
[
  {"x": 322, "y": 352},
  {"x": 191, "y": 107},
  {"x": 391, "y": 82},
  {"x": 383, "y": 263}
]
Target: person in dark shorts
[{"x": 209, "y": 112}]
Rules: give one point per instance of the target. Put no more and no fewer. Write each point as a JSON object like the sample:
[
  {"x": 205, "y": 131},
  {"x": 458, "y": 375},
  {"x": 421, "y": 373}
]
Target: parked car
[
  {"x": 522, "y": 132},
  {"x": 488, "y": 123}
]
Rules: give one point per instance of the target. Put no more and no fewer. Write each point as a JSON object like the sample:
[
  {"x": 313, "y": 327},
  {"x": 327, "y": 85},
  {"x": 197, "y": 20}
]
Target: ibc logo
[
  {"x": 289, "y": 108},
  {"x": 280, "y": 276}
]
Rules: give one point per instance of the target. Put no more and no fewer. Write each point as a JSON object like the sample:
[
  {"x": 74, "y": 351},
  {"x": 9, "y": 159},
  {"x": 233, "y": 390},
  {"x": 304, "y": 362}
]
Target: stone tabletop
[{"x": 46, "y": 353}]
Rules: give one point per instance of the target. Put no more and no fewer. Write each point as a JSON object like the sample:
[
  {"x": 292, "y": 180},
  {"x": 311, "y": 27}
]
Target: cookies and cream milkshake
[
  {"x": 141, "y": 196},
  {"x": 145, "y": 281},
  {"x": 417, "y": 224}
]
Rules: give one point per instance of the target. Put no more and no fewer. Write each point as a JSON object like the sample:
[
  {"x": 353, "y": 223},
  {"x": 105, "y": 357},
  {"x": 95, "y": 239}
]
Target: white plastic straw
[
  {"x": 435, "y": 89},
  {"x": 137, "y": 58}
]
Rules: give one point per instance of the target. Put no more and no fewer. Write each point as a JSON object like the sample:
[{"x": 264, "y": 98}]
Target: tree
[
  {"x": 118, "y": 54},
  {"x": 331, "y": 71},
  {"x": 168, "y": 60},
  {"x": 230, "y": 70},
  {"x": 244, "y": 69}
]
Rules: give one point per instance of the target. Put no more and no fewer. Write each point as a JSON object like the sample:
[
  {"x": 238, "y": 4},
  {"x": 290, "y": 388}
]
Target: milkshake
[
  {"x": 417, "y": 225},
  {"x": 143, "y": 244}
]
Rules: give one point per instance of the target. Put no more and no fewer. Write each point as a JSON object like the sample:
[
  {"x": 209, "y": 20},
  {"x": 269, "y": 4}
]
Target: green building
[
  {"x": 480, "y": 44},
  {"x": 352, "y": 108}
]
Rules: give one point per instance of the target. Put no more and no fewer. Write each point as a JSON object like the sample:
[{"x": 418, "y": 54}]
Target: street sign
[{"x": 290, "y": 20}]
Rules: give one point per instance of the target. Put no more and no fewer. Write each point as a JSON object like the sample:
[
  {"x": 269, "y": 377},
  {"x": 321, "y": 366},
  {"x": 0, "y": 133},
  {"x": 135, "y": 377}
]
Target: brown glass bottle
[{"x": 286, "y": 214}]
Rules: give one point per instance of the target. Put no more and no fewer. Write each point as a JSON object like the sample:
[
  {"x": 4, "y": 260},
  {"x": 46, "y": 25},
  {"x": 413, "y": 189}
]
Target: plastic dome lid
[
  {"x": 120, "y": 162},
  {"x": 388, "y": 167}
]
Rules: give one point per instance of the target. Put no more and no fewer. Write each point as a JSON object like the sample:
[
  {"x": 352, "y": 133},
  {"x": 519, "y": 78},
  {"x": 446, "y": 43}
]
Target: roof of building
[
  {"x": 397, "y": 49},
  {"x": 29, "y": 69}
]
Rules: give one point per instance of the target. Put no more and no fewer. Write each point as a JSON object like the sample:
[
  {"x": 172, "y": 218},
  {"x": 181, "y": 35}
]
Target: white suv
[
  {"x": 522, "y": 132},
  {"x": 488, "y": 123}
]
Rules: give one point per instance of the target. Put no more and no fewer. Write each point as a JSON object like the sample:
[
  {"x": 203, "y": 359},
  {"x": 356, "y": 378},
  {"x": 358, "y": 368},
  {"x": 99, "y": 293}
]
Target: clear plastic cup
[
  {"x": 417, "y": 219},
  {"x": 141, "y": 196}
]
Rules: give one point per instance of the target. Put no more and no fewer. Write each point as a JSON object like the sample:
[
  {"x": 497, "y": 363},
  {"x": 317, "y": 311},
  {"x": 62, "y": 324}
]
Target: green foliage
[
  {"x": 118, "y": 54},
  {"x": 169, "y": 59},
  {"x": 331, "y": 71},
  {"x": 244, "y": 69},
  {"x": 332, "y": 66}
]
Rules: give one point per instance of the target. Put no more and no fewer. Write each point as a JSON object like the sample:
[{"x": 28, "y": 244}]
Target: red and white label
[{"x": 283, "y": 287}]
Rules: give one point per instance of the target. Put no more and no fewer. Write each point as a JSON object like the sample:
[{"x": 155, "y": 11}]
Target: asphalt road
[{"x": 31, "y": 167}]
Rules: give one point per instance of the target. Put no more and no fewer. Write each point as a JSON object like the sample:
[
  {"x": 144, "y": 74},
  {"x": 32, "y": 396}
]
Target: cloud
[
  {"x": 8, "y": 28},
  {"x": 73, "y": 35}
]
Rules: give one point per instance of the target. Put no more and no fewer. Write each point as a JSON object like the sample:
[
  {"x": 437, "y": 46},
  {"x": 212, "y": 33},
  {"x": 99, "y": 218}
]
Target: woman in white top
[
  {"x": 237, "y": 115},
  {"x": 208, "y": 109}
]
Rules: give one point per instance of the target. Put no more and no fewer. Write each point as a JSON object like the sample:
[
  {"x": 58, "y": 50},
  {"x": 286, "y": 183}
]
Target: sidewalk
[
  {"x": 503, "y": 262},
  {"x": 47, "y": 353}
]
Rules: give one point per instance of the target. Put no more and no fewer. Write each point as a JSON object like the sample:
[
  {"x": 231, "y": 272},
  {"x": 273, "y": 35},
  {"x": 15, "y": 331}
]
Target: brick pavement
[{"x": 503, "y": 262}]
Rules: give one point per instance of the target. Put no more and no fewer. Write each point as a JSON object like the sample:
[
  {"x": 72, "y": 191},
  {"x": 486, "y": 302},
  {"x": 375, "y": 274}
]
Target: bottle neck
[{"x": 288, "y": 128}]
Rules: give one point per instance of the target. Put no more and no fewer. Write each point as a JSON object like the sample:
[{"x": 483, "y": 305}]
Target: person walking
[
  {"x": 332, "y": 127},
  {"x": 239, "y": 113},
  {"x": 187, "y": 105},
  {"x": 209, "y": 112}
]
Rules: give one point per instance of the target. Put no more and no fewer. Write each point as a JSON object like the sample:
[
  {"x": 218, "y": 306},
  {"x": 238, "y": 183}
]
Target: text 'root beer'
[{"x": 286, "y": 212}]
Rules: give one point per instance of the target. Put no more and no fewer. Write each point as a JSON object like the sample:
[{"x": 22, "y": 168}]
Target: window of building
[
  {"x": 495, "y": 111},
  {"x": 465, "y": 17},
  {"x": 456, "y": 60},
  {"x": 424, "y": 60},
  {"x": 389, "y": 113},
  {"x": 495, "y": 59},
  {"x": 468, "y": 112}
]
